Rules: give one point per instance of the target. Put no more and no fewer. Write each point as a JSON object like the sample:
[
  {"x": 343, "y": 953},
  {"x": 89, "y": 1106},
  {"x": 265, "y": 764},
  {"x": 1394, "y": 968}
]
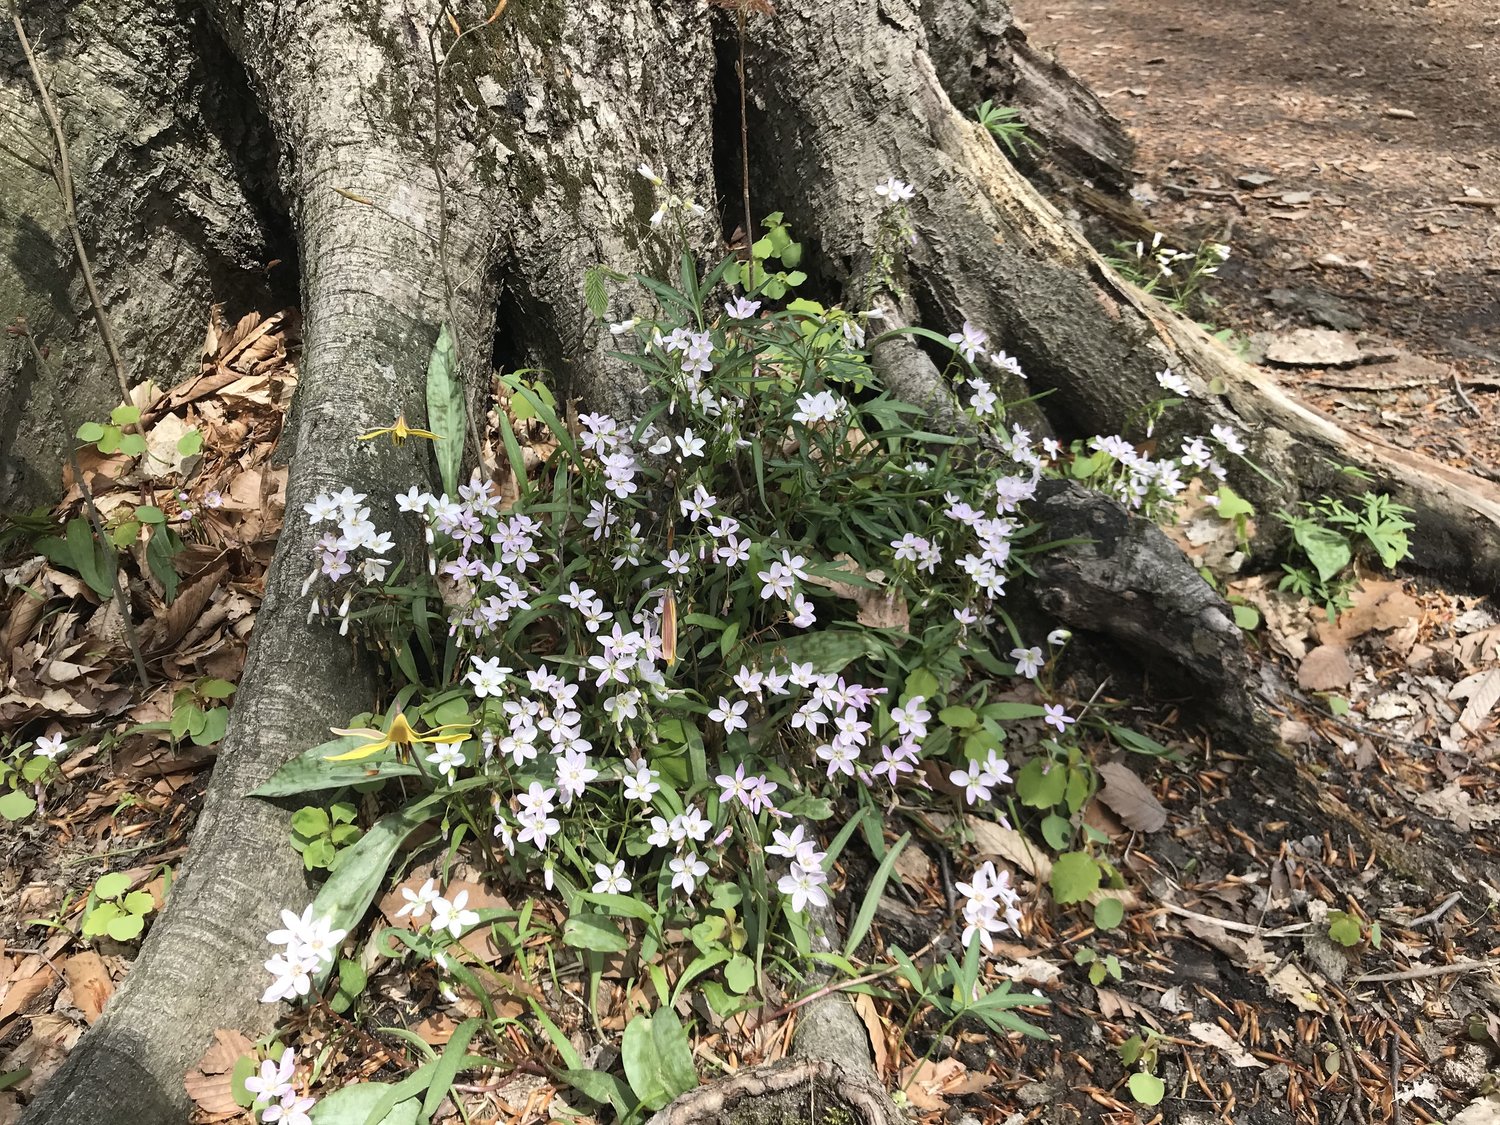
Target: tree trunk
[
  {"x": 172, "y": 198},
  {"x": 476, "y": 190}
]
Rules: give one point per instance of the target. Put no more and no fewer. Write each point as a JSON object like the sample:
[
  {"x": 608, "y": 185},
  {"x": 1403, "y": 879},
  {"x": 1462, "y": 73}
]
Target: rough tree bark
[
  {"x": 177, "y": 213},
  {"x": 479, "y": 199}
]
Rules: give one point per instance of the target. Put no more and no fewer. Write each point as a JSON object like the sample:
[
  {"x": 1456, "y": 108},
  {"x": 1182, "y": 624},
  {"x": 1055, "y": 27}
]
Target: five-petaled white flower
[
  {"x": 730, "y": 715},
  {"x": 453, "y": 916},
  {"x": 612, "y": 880},
  {"x": 50, "y": 746},
  {"x": 1028, "y": 661},
  {"x": 419, "y": 900}
]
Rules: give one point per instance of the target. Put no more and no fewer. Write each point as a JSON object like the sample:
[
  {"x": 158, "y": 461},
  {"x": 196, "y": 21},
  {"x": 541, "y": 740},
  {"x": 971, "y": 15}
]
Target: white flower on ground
[
  {"x": 640, "y": 786},
  {"x": 730, "y": 715},
  {"x": 488, "y": 676},
  {"x": 290, "y": 1110},
  {"x": 1028, "y": 661},
  {"x": 50, "y": 746},
  {"x": 1226, "y": 437},
  {"x": 452, "y": 916},
  {"x": 803, "y": 885},
  {"x": 292, "y": 975},
  {"x": 419, "y": 900},
  {"x": 612, "y": 880},
  {"x": 969, "y": 340},
  {"x": 974, "y": 781},
  {"x": 824, "y": 406},
  {"x": 1170, "y": 381},
  {"x": 686, "y": 871},
  {"x": 273, "y": 1081},
  {"x": 742, "y": 308},
  {"x": 447, "y": 757},
  {"x": 1056, "y": 717},
  {"x": 893, "y": 190}
]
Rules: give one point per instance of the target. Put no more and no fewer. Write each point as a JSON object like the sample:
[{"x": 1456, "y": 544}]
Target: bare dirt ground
[{"x": 1349, "y": 151}]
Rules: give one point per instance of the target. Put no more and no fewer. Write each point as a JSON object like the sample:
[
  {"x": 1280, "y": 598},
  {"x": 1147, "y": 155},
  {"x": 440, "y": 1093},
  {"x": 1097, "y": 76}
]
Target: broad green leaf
[
  {"x": 17, "y": 805},
  {"x": 112, "y": 885},
  {"x": 921, "y": 682},
  {"x": 1109, "y": 913},
  {"x": 658, "y": 1058},
  {"x": 215, "y": 689},
  {"x": 739, "y": 974},
  {"x": 310, "y": 821},
  {"x": 132, "y": 444},
  {"x": 960, "y": 718},
  {"x": 352, "y": 1105},
  {"x": 160, "y": 550},
  {"x": 619, "y": 906},
  {"x": 1326, "y": 548},
  {"x": 215, "y": 722},
  {"x": 601, "y": 1087},
  {"x": 830, "y": 650},
  {"x": 1247, "y": 617},
  {"x": 98, "y": 920},
  {"x": 310, "y": 771},
  {"x": 125, "y": 415},
  {"x": 445, "y": 409},
  {"x": 361, "y": 871},
  {"x": 190, "y": 443},
  {"x": 90, "y": 432},
  {"x": 1006, "y": 709},
  {"x": 1147, "y": 1088},
  {"x": 595, "y": 932},
  {"x": 139, "y": 902},
  {"x": 1232, "y": 504},
  {"x": 1075, "y": 876},
  {"x": 150, "y": 513},
  {"x": 127, "y": 927},
  {"x": 1039, "y": 787}
]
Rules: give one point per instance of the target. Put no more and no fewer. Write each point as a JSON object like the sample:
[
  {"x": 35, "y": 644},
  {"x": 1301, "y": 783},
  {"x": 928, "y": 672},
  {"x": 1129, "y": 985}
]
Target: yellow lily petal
[{"x": 360, "y": 751}]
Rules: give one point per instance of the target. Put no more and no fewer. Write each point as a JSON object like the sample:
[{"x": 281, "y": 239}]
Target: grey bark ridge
[
  {"x": 165, "y": 166},
  {"x": 857, "y": 97}
]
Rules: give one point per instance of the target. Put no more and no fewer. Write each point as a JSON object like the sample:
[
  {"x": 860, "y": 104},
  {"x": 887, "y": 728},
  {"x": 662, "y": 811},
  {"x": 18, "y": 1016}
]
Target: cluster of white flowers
[
  {"x": 449, "y": 916},
  {"x": 276, "y": 1098},
  {"x": 804, "y": 883},
  {"x": 310, "y": 944},
  {"x": 356, "y": 532},
  {"x": 671, "y": 202},
  {"x": 990, "y": 906}
]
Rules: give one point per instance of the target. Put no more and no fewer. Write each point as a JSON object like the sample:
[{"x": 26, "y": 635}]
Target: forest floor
[
  {"x": 1250, "y": 964},
  {"x": 1349, "y": 152}
]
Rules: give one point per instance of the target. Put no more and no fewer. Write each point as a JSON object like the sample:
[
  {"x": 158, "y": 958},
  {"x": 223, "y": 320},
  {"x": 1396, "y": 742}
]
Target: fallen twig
[{"x": 1429, "y": 971}]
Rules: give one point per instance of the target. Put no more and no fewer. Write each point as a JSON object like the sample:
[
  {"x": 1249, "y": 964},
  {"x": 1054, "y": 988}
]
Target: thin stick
[
  {"x": 1465, "y": 399},
  {"x": 1434, "y": 915},
  {"x": 62, "y": 172},
  {"x": 1429, "y": 971},
  {"x": 745, "y": 147}
]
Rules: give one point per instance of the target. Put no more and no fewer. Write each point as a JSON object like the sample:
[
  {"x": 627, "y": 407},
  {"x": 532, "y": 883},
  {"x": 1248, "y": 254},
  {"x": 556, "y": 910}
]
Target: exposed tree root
[{"x": 856, "y": 97}]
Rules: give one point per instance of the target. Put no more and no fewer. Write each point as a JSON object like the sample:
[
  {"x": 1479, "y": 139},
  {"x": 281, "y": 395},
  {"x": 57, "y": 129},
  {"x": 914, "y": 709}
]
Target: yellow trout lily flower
[
  {"x": 400, "y": 431},
  {"x": 401, "y": 735}
]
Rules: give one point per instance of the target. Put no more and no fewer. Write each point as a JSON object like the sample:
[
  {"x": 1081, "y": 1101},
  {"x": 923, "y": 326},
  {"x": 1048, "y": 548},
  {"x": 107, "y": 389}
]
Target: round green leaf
[
  {"x": 595, "y": 932},
  {"x": 127, "y": 927},
  {"x": 1109, "y": 913},
  {"x": 1075, "y": 876},
  {"x": 125, "y": 415},
  {"x": 150, "y": 513},
  {"x": 140, "y": 902},
  {"x": 310, "y": 821},
  {"x": 112, "y": 885},
  {"x": 132, "y": 445},
  {"x": 16, "y": 805},
  {"x": 98, "y": 920},
  {"x": 190, "y": 443},
  {"x": 90, "y": 432},
  {"x": 1147, "y": 1088},
  {"x": 739, "y": 974}
]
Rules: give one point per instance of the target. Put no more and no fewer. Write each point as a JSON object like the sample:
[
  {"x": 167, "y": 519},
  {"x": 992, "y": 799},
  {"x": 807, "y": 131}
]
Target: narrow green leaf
[
  {"x": 866, "y": 915},
  {"x": 445, "y": 409}
]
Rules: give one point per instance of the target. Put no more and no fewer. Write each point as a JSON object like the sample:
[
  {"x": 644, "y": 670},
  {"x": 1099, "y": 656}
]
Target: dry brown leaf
[
  {"x": 169, "y": 626},
  {"x": 210, "y": 1083},
  {"x": 1325, "y": 668},
  {"x": 1216, "y": 1036},
  {"x": 864, "y": 1006},
  {"x": 89, "y": 982},
  {"x": 1452, "y": 802},
  {"x": 1130, "y": 799},
  {"x": 1482, "y": 690},
  {"x": 1378, "y": 607},
  {"x": 929, "y": 1084},
  {"x": 1293, "y": 984},
  {"x": 879, "y": 607}
]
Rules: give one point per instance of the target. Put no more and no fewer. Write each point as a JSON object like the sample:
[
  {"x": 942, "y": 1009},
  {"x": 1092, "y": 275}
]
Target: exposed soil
[{"x": 1312, "y": 132}]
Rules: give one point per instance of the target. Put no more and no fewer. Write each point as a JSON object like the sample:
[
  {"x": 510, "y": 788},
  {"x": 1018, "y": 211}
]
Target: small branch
[
  {"x": 1465, "y": 399},
  {"x": 62, "y": 172},
  {"x": 1429, "y": 971},
  {"x": 1434, "y": 915}
]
